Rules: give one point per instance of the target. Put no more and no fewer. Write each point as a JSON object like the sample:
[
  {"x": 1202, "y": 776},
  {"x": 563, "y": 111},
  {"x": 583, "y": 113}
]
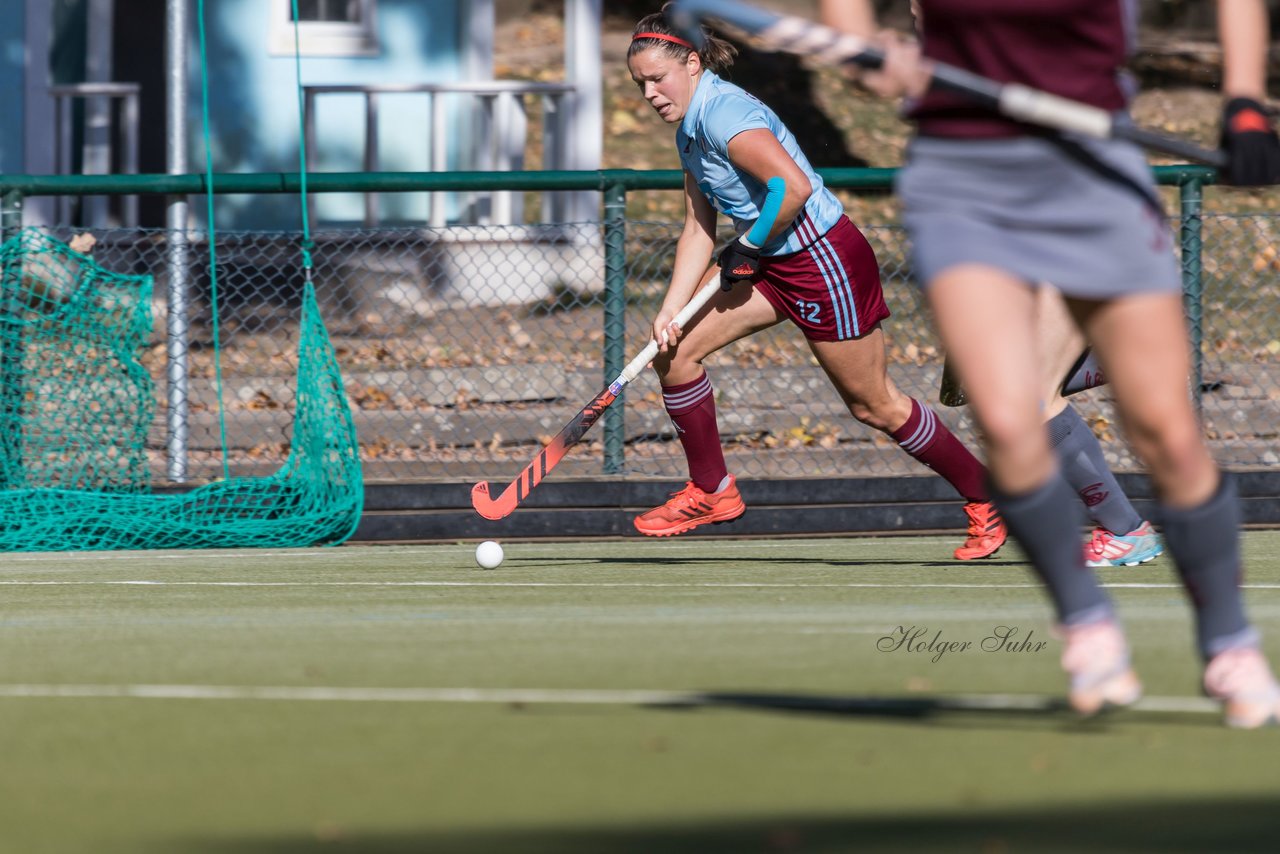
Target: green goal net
[{"x": 77, "y": 405}]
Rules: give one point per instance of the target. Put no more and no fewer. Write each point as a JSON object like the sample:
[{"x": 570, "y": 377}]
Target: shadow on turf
[
  {"x": 1139, "y": 826},
  {"x": 529, "y": 563},
  {"x": 977, "y": 711}
]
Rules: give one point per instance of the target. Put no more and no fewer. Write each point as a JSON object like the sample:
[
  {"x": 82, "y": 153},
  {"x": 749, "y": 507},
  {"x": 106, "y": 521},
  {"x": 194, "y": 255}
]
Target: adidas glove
[
  {"x": 1249, "y": 139},
  {"x": 738, "y": 262}
]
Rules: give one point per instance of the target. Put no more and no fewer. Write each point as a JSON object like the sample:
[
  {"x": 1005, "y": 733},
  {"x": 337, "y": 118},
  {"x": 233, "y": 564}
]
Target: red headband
[{"x": 663, "y": 37}]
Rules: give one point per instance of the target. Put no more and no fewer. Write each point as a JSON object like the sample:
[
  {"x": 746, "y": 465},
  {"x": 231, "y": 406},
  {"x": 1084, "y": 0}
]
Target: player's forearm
[
  {"x": 1243, "y": 31},
  {"x": 694, "y": 251},
  {"x": 850, "y": 16}
]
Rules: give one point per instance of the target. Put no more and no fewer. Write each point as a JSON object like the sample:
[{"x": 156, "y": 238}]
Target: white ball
[{"x": 489, "y": 554}]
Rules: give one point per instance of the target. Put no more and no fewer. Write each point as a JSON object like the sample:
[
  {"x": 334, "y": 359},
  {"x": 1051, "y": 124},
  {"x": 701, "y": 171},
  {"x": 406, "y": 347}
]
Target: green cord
[
  {"x": 213, "y": 255},
  {"x": 307, "y": 244}
]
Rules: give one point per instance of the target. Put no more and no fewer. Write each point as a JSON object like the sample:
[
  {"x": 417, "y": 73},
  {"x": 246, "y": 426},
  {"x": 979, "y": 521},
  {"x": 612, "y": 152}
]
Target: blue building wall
[
  {"x": 12, "y": 76},
  {"x": 253, "y": 106}
]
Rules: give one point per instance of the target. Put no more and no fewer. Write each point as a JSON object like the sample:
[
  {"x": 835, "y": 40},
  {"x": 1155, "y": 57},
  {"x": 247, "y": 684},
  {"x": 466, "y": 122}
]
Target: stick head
[
  {"x": 486, "y": 506},
  {"x": 950, "y": 392},
  {"x": 686, "y": 22}
]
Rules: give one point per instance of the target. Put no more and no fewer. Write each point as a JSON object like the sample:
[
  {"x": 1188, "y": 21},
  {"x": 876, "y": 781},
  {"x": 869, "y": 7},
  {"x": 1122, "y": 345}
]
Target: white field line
[
  {"x": 589, "y": 584},
  {"x": 551, "y": 696},
  {"x": 584, "y": 550},
  {"x": 581, "y": 550}
]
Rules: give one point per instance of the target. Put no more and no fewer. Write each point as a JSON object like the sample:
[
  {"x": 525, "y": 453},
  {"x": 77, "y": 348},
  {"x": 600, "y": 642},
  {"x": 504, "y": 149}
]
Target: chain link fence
[
  {"x": 464, "y": 348},
  {"x": 1239, "y": 339}
]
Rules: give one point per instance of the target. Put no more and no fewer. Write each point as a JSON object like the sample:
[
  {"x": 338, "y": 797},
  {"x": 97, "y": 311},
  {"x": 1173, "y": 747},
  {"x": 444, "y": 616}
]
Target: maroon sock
[
  {"x": 692, "y": 408},
  {"x": 926, "y": 438}
]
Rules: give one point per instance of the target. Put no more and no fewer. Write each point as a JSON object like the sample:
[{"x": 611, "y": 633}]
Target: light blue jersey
[{"x": 720, "y": 111}]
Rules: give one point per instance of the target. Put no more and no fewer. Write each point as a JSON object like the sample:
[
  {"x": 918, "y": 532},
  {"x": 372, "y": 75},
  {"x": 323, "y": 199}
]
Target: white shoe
[
  {"x": 1242, "y": 680},
  {"x": 1096, "y": 657}
]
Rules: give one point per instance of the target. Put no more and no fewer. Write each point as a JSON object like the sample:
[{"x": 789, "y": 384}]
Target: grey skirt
[{"x": 1028, "y": 207}]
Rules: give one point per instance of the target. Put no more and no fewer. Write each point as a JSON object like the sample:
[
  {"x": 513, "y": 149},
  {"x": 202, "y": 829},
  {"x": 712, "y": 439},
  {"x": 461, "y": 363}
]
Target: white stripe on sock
[
  {"x": 924, "y": 433},
  {"x": 689, "y": 398}
]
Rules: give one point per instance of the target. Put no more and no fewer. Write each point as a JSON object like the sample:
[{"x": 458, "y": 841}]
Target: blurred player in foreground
[
  {"x": 813, "y": 267},
  {"x": 1120, "y": 536},
  {"x": 993, "y": 207}
]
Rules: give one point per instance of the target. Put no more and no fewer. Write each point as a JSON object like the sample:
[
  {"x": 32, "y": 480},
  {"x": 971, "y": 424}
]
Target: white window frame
[{"x": 324, "y": 38}]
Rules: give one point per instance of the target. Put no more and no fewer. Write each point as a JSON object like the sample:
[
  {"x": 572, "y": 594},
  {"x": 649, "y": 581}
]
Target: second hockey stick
[{"x": 795, "y": 35}]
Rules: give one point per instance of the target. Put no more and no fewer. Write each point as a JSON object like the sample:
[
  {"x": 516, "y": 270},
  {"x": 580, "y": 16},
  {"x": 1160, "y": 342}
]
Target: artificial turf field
[{"x": 687, "y": 695}]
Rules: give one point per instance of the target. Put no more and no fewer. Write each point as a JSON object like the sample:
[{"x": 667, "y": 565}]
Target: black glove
[
  {"x": 738, "y": 261},
  {"x": 1249, "y": 139}
]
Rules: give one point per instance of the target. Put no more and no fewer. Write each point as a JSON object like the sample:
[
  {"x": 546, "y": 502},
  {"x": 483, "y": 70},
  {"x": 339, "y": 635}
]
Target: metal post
[
  {"x": 615, "y": 318},
  {"x": 32, "y": 130},
  {"x": 96, "y": 159},
  {"x": 552, "y": 152},
  {"x": 370, "y": 155},
  {"x": 1191, "y": 193},
  {"x": 585, "y": 107},
  {"x": 129, "y": 123},
  {"x": 310, "y": 146},
  {"x": 11, "y": 350},
  {"x": 439, "y": 158},
  {"x": 478, "y": 207},
  {"x": 177, "y": 320},
  {"x": 10, "y": 214},
  {"x": 62, "y": 128}
]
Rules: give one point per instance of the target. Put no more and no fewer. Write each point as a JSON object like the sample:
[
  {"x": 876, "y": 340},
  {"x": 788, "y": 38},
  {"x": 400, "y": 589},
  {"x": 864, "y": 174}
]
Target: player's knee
[
  {"x": 863, "y": 411},
  {"x": 1172, "y": 445},
  {"x": 1009, "y": 428},
  {"x": 677, "y": 367},
  {"x": 662, "y": 365},
  {"x": 884, "y": 413}
]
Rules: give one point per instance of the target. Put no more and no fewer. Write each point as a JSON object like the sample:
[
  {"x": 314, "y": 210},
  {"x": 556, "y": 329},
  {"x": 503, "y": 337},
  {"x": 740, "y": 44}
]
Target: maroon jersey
[{"x": 1072, "y": 48}]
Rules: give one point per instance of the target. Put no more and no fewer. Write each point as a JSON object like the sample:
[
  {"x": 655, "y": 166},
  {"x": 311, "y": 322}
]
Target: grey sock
[
  {"x": 1205, "y": 544},
  {"x": 1046, "y": 523},
  {"x": 1086, "y": 470}
]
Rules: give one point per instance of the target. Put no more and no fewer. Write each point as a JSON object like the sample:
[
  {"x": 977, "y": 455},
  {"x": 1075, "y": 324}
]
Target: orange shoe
[
  {"x": 986, "y": 531},
  {"x": 691, "y": 507}
]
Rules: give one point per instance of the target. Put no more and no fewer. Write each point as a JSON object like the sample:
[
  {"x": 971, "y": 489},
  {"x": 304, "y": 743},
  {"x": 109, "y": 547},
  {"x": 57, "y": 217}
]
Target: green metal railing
[{"x": 614, "y": 185}]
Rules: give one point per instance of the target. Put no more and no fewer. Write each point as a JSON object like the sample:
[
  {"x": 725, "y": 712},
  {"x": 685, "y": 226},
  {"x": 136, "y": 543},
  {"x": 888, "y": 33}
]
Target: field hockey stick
[
  {"x": 554, "y": 451},
  {"x": 791, "y": 34},
  {"x": 1085, "y": 373},
  {"x": 950, "y": 392}
]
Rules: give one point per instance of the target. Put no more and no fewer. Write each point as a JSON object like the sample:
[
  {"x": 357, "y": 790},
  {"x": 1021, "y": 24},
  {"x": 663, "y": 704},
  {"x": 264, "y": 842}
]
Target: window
[
  {"x": 340, "y": 11},
  {"x": 325, "y": 28}
]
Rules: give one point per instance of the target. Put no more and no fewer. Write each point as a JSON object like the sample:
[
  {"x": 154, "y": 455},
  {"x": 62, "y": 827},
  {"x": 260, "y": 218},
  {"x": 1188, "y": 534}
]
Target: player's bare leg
[
  {"x": 729, "y": 316},
  {"x": 711, "y": 495},
  {"x": 985, "y": 319},
  {"x": 857, "y": 368},
  {"x": 1141, "y": 342},
  {"x": 1060, "y": 341},
  {"x": 1120, "y": 537}
]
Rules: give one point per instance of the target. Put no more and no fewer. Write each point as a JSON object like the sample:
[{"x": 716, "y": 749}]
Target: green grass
[{"x": 792, "y": 756}]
